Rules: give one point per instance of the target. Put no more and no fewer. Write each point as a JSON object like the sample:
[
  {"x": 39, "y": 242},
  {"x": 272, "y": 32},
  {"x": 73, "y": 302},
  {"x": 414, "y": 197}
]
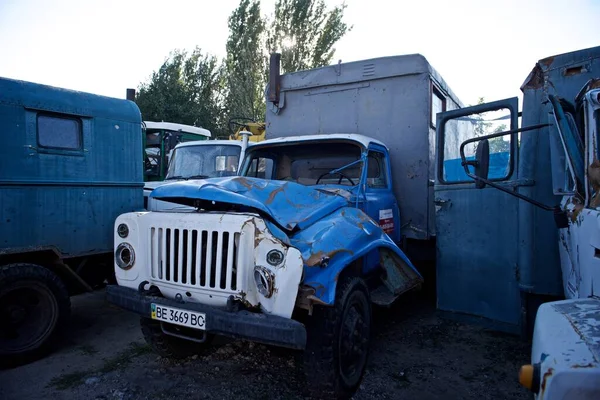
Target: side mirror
[{"x": 482, "y": 167}]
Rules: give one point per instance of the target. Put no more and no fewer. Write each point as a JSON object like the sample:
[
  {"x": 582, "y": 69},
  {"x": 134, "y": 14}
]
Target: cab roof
[
  {"x": 363, "y": 140},
  {"x": 172, "y": 126}
]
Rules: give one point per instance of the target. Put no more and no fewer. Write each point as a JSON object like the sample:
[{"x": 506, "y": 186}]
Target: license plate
[{"x": 177, "y": 316}]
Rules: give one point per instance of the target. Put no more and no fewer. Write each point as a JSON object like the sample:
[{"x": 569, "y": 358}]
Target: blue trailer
[{"x": 71, "y": 163}]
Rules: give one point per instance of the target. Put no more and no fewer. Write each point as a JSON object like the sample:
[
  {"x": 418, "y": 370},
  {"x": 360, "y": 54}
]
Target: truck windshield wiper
[{"x": 187, "y": 177}]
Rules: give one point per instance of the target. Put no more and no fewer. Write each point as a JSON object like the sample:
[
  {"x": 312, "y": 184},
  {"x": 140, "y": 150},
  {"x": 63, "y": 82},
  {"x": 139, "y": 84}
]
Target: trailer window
[{"x": 59, "y": 132}]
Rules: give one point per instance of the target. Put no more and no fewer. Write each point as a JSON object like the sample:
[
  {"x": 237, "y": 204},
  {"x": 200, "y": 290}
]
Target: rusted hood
[{"x": 290, "y": 205}]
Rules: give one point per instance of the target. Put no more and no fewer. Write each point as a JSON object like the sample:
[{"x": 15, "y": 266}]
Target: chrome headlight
[
  {"x": 125, "y": 256},
  {"x": 274, "y": 257},
  {"x": 264, "y": 280},
  {"x": 123, "y": 230}
]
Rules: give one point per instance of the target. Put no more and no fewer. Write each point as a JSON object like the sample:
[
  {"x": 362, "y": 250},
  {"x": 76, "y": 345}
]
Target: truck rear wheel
[
  {"x": 170, "y": 346},
  {"x": 338, "y": 342},
  {"x": 34, "y": 305}
]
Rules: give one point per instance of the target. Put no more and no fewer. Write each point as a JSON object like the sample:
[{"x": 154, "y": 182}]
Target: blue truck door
[
  {"x": 477, "y": 229},
  {"x": 381, "y": 204}
]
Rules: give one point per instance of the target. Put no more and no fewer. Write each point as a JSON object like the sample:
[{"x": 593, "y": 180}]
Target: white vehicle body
[
  {"x": 170, "y": 252},
  {"x": 171, "y": 126},
  {"x": 566, "y": 342}
]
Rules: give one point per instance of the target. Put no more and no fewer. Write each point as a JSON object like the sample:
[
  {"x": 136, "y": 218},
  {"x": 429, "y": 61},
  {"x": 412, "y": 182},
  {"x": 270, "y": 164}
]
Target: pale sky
[{"x": 481, "y": 48}]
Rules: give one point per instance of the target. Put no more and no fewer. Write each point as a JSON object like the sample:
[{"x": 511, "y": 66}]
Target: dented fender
[{"x": 334, "y": 242}]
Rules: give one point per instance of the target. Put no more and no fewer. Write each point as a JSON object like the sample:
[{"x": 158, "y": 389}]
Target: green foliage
[
  {"x": 196, "y": 89},
  {"x": 305, "y": 33},
  {"x": 245, "y": 62},
  {"x": 186, "y": 89}
]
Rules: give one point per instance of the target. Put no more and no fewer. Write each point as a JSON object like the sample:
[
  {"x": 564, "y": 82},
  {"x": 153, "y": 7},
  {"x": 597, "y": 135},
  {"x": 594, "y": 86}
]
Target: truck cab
[
  {"x": 197, "y": 160},
  {"x": 292, "y": 252}
]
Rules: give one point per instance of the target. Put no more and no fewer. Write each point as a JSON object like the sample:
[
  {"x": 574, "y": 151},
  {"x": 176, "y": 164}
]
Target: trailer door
[{"x": 477, "y": 241}]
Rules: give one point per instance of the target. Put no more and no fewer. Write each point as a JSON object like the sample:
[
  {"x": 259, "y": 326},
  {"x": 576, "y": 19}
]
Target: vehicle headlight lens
[
  {"x": 274, "y": 257},
  {"x": 125, "y": 256},
  {"x": 264, "y": 280},
  {"x": 123, "y": 230}
]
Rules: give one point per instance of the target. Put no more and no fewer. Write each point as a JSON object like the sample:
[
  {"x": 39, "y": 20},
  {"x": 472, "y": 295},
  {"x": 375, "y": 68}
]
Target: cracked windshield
[{"x": 204, "y": 161}]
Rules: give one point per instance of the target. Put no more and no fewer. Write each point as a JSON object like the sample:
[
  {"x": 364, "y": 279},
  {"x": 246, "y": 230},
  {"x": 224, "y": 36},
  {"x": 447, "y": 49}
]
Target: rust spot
[
  {"x": 594, "y": 178},
  {"x": 547, "y": 375},
  {"x": 574, "y": 70},
  {"x": 314, "y": 299},
  {"x": 535, "y": 80},
  {"x": 315, "y": 258},
  {"x": 547, "y": 61},
  {"x": 243, "y": 181},
  {"x": 273, "y": 194},
  {"x": 595, "y": 84},
  {"x": 588, "y": 365}
]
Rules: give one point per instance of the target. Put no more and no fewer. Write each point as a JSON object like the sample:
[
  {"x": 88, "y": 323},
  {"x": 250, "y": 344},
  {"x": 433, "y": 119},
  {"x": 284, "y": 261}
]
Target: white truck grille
[{"x": 198, "y": 258}]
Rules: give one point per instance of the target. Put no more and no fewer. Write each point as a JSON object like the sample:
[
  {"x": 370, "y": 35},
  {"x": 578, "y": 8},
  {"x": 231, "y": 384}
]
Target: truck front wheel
[
  {"x": 34, "y": 305},
  {"x": 338, "y": 342},
  {"x": 169, "y": 346}
]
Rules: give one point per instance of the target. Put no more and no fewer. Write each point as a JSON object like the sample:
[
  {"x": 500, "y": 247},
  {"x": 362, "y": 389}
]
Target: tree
[
  {"x": 245, "y": 62},
  {"x": 305, "y": 33},
  {"x": 185, "y": 89}
]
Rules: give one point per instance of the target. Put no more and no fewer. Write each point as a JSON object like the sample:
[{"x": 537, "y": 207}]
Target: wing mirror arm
[{"x": 481, "y": 165}]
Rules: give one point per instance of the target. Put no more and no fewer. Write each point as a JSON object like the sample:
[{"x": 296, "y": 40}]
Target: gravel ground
[{"x": 414, "y": 355}]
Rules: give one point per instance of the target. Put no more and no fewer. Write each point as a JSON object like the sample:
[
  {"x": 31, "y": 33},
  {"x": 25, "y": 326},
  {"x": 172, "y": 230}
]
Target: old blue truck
[
  {"x": 544, "y": 233},
  {"x": 71, "y": 163},
  {"x": 295, "y": 250}
]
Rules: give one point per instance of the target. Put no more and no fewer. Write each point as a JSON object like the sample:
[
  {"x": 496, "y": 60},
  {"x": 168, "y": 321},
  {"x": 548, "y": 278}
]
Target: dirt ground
[{"x": 414, "y": 355}]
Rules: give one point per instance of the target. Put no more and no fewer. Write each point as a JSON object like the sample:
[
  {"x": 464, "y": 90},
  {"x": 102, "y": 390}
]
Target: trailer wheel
[
  {"x": 337, "y": 345},
  {"x": 170, "y": 346},
  {"x": 34, "y": 306}
]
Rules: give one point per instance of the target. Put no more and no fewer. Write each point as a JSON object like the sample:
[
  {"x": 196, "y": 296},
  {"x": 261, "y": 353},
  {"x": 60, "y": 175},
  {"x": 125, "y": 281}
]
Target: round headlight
[
  {"x": 125, "y": 256},
  {"x": 275, "y": 257},
  {"x": 123, "y": 230},
  {"x": 264, "y": 281}
]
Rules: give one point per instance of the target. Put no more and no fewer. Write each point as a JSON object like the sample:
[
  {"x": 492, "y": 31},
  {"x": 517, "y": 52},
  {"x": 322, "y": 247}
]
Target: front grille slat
[
  {"x": 219, "y": 261},
  {"x": 196, "y": 258},
  {"x": 229, "y": 265},
  {"x": 189, "y": 255},
  {"x": 209, "y": 259}
]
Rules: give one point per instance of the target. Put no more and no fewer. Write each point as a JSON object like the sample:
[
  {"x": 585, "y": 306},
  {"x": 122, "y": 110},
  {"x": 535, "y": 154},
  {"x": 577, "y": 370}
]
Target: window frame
[
  {"x": 511, "y": 104},
  {"x": 54, "y": 149},
  {"x": 435, "y": 91},
  {"x": 384, "y": 169}
]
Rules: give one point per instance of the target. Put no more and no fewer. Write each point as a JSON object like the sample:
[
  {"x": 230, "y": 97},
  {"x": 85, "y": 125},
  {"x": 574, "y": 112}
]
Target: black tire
[
  {"x": 170, "y": 346},
  {"x": 335, "y": 363},
  {"x": 36, "y": 304}
]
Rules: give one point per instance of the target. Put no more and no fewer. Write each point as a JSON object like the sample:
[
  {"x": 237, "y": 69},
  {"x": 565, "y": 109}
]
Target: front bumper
[{"x": 257, "y": 327}]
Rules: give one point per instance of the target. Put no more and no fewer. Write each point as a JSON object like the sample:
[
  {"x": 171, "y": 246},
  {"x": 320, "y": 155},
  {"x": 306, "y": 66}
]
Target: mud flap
[{"x": 397, "y": 279}]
